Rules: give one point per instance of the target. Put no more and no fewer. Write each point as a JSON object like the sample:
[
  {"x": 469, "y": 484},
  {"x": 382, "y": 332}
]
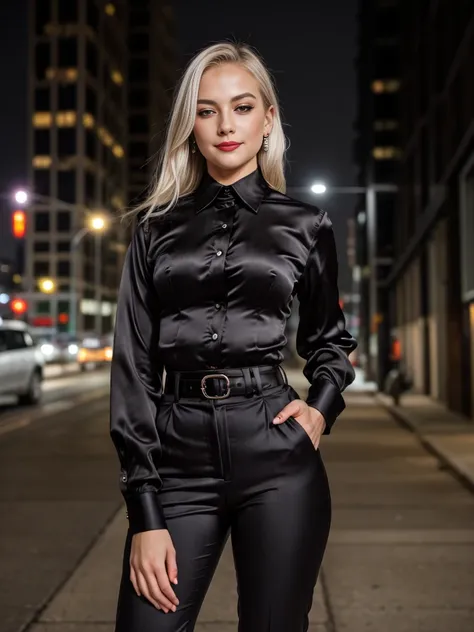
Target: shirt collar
[{"x": 250, "y": 189}]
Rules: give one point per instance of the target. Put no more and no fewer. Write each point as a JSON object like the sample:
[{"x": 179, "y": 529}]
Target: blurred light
[
  {"x": 385, "y": 85},
  {"x": 42, "y": 119},
  {"x": 42, "y": 162},
  {"x": 118, "y": 151},
  {"x": 46, "y": 285},
  {"x": 19, "y": 224},
  {"x": 17, "y": 278},
  {"x": 88, "y": 120},
  {"x": 318, "y": 188},
  {"x": 108, "y": 353},
  {"x": 117, "y": 77},
  {"x": 73, "y": 349},
  {"x": 18, "y": 306},
  {"x": 66, "y": 119},
  {"x": 97, "y": 223},
  {"x": 361, "y": 217},
  {"x": 104, "y": 136},
  {"x": 4, "y": 298},
  {"x": 63, "y": 318},
  {"x": 21, "y": 197},
  {"x": 110, "y": 8},
  {"x": 47, "y": 349},
  {"x": 386, "y": 153}
]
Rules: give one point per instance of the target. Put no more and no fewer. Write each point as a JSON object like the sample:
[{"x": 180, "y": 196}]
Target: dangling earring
[
  {"x": 265, "y": 143},
  {"x": 193, "y": 146}
]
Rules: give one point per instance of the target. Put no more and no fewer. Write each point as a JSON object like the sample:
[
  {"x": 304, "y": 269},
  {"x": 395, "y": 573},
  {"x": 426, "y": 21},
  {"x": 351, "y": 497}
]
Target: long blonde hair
[{"x": 179, "y": 171}]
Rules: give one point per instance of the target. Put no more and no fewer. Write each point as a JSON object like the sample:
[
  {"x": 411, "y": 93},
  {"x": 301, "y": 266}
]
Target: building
[
  {"x": 88, "y": 60},
  {"x": 377, "y": 156},
  {"x": 432, "y": 278}
]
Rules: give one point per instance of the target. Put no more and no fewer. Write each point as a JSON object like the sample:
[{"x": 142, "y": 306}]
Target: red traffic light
[
  {"x": 63, "y": 318},
  {"x": 19, "y": 224},
  {"x": 18, "y": 306}
]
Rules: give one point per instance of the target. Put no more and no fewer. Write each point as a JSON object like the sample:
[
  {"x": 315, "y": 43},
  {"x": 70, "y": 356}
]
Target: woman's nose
[{"x": 226, "y": 126}]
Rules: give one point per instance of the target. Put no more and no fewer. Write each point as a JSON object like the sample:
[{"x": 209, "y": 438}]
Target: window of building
[
  {"x": 92, "y": 59},
  {"x": 42, "y": 59},
  {"x": 138, "y": 124},
  {"x": 385, "y": 85},
  {"x": 138, "y": 98},
  {"x": 91, "y": 100},
  {"x": 42, "y": 142},
  {"x": 67, "y": 186},
  {"x": 92, "y": 14},
  {"x": 138, "y": 70},
  {"x": 42, "y": 15},
  {"x": 67, "y": 145},
  {"x": 42, "y": 182},
  {"x": 67, "y": 96},
  {"x": 63, "y": 268},
  {"x": 63, "y": 246},
  {"x": 67, "y": 11},
  {"x": 90, "y": 188},
  {"x": 41, "y": 246},
  {"x": 41, "y": 268},
  {"x": 139, "y": 17},
  {"x": 63, "y": 221},
  {"x": 42, "y": 221},
  {"x": 138, "y": 42},
  {"x": 91, "y": 144},
  {"x": 42, "y": 99},
  {"x": 67, "y": 52},
  {"x": 467, "y": 231}
]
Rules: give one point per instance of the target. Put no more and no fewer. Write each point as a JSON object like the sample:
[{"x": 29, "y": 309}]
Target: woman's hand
[
  {"x": 153, "y": 566},
  {"x": 310, "y": 418}
]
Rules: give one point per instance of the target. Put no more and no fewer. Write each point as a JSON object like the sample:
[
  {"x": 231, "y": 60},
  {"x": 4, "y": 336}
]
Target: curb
[{"x": 446, "y": 460}]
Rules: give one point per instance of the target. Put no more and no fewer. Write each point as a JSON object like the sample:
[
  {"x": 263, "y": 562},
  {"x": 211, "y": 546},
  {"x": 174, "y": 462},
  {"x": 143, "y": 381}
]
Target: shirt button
[
  {"x": 224, "y": 226},
  {"x": 218, "y": 253},
  {"x": 214, "y": 336}
]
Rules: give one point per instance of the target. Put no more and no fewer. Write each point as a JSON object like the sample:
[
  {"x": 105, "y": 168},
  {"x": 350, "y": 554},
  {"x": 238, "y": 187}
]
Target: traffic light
[
  {"x": 19, "y": 224},
  {"x": 18, "y": 306}
]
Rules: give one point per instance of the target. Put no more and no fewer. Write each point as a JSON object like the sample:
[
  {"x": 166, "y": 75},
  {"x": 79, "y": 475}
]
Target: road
[{"x": 400, "y": 556}]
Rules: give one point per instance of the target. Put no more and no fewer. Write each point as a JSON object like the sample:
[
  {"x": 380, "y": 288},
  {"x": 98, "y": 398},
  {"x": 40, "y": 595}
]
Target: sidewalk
[{"x": 447, "y": 435}]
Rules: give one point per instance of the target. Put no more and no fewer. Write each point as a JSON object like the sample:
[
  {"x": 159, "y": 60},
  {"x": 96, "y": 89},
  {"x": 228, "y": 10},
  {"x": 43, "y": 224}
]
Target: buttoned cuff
[
  {"x": 326, "y": 397},
  {"x": 144, "y": 512}
]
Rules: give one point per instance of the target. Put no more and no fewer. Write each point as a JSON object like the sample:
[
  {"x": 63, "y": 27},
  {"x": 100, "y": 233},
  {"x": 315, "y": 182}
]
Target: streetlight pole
[{"x": 97, "y": 283}]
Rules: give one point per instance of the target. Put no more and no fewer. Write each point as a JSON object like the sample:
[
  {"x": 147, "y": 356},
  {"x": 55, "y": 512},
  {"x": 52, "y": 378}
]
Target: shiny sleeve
[
  {"x": 135, "y": 388},
  {"x": 322, "y": 339}
]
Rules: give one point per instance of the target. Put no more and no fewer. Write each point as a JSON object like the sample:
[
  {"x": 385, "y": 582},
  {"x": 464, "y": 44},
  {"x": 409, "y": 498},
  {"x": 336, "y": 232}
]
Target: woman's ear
[{"x": 269, "y": 120}]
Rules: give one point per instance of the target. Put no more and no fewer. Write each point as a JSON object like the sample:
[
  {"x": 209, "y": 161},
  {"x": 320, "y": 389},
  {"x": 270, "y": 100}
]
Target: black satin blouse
[{"x": 209, "y": 285}]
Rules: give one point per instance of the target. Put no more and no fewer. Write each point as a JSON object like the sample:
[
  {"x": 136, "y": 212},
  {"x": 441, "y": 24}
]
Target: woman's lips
[{"x": 228, "y": 146}]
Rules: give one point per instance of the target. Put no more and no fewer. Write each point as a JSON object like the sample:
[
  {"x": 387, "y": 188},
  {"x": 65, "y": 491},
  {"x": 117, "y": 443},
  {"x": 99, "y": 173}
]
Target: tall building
[
  {"x": 377, "y": 155},
  {"x": 88, "y": 60},
  {"x": 432, "y": 278}
]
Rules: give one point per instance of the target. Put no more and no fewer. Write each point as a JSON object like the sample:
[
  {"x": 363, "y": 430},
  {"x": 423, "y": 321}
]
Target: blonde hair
[{"x": 179, "y": 171}]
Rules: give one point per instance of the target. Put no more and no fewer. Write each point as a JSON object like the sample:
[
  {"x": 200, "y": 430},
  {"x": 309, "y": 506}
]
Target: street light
[
  {"x": 46, "y": 285},
  {"x": 96, "y": 223}
]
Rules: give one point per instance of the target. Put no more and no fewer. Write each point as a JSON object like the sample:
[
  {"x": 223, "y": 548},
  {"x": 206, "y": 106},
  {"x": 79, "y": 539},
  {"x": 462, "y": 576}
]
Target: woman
[{"x": 224, "y": 445}]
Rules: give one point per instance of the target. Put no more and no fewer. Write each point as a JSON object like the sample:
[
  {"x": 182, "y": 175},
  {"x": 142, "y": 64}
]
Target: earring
[
  {"x": 193, "y": 146},
  {"x": 265, "y": 143}
]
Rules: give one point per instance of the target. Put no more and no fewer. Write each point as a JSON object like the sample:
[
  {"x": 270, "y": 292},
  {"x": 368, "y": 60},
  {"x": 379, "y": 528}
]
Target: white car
[{"x": 21, "y": 362}]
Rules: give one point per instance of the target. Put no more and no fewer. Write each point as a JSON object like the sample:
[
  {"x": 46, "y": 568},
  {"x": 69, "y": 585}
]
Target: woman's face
[{"x": 230, "y": 109}]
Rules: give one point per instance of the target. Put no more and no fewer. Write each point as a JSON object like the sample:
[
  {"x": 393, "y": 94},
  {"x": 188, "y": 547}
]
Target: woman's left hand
[{"x": 310, "y": 418}]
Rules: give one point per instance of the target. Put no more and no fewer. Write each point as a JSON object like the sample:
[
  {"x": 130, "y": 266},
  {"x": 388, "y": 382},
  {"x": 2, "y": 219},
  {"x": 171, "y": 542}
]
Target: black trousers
[{"x": 227, "y": 470}]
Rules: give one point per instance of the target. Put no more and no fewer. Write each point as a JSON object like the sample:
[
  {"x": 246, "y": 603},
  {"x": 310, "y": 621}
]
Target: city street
[{"x": 401, "y": 551}]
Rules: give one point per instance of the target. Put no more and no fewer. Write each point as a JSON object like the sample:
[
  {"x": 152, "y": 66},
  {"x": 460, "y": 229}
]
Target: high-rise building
[
  {"x": 89, "y": 59},
  {"x": 377, "y": 155}
]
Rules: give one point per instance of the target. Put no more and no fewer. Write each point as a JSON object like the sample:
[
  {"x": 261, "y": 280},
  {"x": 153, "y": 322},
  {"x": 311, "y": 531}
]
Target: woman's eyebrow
[{"x": 236, "y": 98}]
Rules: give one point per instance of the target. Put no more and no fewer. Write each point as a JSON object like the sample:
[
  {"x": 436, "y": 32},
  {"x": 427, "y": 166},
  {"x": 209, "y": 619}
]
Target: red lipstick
[{"x": 228, "y": 146}]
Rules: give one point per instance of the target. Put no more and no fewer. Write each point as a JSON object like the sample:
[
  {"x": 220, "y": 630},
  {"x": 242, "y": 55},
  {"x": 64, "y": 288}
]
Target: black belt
[{"x": 223, "y": 383}]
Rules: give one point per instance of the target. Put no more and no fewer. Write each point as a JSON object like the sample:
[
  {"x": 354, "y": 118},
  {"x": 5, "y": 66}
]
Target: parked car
[
  {"x": 21, "y": 362},
  {"x": 94, "y": 351}
]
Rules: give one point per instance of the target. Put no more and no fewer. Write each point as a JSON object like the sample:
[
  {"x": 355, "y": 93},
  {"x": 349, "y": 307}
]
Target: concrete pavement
[{"x": 400, "y": 556}]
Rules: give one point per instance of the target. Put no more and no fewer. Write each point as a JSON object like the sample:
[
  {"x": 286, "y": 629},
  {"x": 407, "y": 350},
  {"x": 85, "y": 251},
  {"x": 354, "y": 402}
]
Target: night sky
[{"x": 309, "y": 48}]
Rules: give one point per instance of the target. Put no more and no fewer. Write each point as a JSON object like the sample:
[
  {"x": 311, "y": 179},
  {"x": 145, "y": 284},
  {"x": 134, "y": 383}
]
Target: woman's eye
[
  {"x": 204, "y": 112},
  {"x": 245, "y": 108}
]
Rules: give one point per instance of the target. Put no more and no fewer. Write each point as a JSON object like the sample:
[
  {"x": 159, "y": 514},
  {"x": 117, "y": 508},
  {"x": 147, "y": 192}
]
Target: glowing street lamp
[
  {"x": 319, "y": 188},
  {"x": 21, "y": 197},
  {"x": 48, "y": 286}
]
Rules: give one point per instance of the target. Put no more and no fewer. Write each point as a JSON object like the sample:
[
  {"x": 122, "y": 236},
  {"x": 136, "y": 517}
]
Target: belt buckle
[{"x": 203, "y": 386}]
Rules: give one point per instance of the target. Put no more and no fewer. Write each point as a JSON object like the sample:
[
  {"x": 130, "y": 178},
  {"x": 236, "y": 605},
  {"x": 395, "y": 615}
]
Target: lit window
[
  {"x": 70, "y": 74},
  {"x": 42, "y": 119},
  {"x": 386, "y": 153},
  {"x": 385, "y": 85},
  {"x": 118, "y": 151},
  {"x": 116, "y": 77},
  {"x": 88, "y": 120},
  {"x": 385, "y": 125},
  {"x": 110, "y": 8},
  {"x": 104, "y": 136},
  {"x": 66, "y": 119},
  {"x": 42, "y": 162},
  {"x": 63, "y": 74}
]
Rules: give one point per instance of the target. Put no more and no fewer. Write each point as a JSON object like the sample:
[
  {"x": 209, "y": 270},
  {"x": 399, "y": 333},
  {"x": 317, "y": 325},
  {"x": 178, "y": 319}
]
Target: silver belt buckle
[{"x": 203, "y": 386}]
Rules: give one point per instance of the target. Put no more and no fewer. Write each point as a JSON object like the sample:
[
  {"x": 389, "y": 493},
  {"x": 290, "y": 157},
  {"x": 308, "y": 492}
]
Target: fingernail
[
  {"x": 276, "y": 420},
  {"x": 175, "y": 581}
]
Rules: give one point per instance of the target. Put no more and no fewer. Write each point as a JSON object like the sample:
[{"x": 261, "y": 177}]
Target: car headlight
[
  {"x": 47, "y": 349},
  {"x": 73, "y": 349}
]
